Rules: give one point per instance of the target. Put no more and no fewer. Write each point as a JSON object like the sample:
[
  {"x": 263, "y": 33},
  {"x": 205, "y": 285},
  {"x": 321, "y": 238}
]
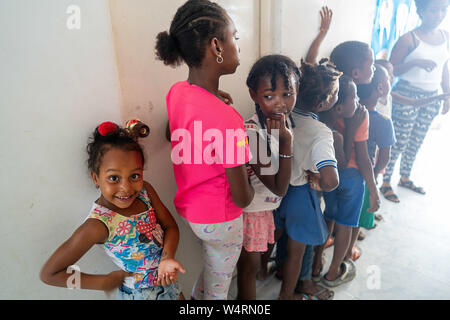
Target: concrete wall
[{"x": 57, "y": 84}]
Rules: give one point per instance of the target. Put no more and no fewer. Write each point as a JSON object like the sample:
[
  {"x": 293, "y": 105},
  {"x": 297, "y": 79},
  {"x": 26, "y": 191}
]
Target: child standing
[
  {"x": 128, "y": 220},
  {"x": 212, "y": 182},
  {"x": 273, "y": 85},
  {"x": 381, "y": 132},
  {"x": 299, "y": 214},
  {"x": 343, "y": 205}
]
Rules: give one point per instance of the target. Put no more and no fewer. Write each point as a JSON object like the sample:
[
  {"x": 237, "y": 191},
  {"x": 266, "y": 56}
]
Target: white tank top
[{"x": 420, "y": 78}]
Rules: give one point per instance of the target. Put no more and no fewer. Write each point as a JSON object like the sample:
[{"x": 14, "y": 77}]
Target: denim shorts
[
  {"x": 343, "y": 205},
  {"x": 170, "y": 292}
]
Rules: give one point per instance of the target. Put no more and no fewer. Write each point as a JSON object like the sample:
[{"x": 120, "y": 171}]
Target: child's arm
[
  {"x": 242, "y": 192},
  {"x": 278, "y": 182},
  {"x": 365, "y": 167},
  {"x": 396, "y": 97},
  {"x": 168, "y": 266},
  {"x": 384, "y": 155},
  {"x": 351, "y": 126},
  {"x": 54, "y": 272},
  {"x": 326, "y": 16},
  {"x": 338, "y": 144}
]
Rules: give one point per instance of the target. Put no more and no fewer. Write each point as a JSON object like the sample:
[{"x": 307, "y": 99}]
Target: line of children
[{"x": 238, "y": 208}]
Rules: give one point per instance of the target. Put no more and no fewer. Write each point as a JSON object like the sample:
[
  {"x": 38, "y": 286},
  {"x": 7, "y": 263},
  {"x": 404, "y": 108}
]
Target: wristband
[{"x": 285, "y": 156}]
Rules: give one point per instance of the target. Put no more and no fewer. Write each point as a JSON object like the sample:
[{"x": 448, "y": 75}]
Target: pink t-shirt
[
  {"x": 207, "y": 137},
  {"x": 361, "y": 134}
]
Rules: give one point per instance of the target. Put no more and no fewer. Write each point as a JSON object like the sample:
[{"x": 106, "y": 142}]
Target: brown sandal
[{"x": 391, "y": 196}]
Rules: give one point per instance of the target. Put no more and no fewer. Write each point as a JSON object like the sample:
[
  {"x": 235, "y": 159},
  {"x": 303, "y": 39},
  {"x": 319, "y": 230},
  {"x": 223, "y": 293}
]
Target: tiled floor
[{"x": 408, "y": 255}]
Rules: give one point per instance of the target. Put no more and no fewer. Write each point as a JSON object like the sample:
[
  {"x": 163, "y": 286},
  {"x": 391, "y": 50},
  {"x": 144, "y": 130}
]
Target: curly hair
[
  {"x": 316, "y": 84},
  {"x": 194, "y": 25},
  {"x": 98, "y": 145}
]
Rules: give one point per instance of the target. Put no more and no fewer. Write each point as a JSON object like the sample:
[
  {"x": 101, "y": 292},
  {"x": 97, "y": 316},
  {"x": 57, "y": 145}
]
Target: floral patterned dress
[{"x": 134, "y": 243}]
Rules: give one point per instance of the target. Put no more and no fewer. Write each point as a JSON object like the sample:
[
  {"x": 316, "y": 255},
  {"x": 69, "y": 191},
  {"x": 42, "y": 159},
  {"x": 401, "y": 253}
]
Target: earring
[{"x": 219, "y": 58}]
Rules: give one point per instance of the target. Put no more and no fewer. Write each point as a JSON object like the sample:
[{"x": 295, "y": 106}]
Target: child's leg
[
  {"x": 222, "y": 243},
  {"x": 247, "y": 266},
  {"x": 318, "y": 251},
  {"x": 354, "y": 236},
  {"x": 291, "y": 268},
  {"x": 265, "y": 257},
  {"x": 341, "y": 243}
]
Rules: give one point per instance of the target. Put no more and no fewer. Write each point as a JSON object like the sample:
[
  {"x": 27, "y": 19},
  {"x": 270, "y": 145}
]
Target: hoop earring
[{"x": 219, "y": 59}]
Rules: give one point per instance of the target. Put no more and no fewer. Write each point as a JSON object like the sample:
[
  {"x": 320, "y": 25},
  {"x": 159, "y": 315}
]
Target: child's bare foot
[{"x": 314, "y": 291}]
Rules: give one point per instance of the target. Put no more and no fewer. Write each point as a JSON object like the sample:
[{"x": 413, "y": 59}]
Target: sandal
[
  {"x": 378, "y": 217},
  {"x": 322, "y": 294},
  {"x": 356, "y": 253},
  {"x": 410, "y": 185},
  {"x": 329, "y": 242},
  {"x": 391, "y": 196},
  {"x": 348, "y": 274}
]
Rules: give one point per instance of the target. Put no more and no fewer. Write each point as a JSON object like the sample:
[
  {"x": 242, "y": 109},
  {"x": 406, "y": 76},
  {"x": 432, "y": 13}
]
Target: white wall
[
  {"x": 58, "y": 84},
  {"x": 295, "y": 24}
]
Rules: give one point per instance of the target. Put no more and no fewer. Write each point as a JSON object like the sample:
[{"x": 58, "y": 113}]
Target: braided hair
[
  {"x": 274, "y": 66},
  {"x": 195, "y": 24},
  {"x": 316, "y": 84},
  {"x": 100, "y": 143}
]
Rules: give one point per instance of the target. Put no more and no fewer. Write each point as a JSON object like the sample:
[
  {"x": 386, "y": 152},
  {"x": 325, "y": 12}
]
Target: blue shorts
[
  {"x": 170, "y": 292},
  {"x": 343, "y": 205},
  {"x": 300, "y": 215}
]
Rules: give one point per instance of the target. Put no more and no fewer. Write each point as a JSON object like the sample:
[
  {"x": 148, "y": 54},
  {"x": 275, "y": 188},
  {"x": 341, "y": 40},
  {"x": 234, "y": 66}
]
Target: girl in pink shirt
[{"x": 209, "y": 143}]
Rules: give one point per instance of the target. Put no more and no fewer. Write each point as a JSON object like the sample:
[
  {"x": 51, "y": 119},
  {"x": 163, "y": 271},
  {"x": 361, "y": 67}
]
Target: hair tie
[
  {"x": 106, "y": 128},
  {"x": 138, "y": 128}
]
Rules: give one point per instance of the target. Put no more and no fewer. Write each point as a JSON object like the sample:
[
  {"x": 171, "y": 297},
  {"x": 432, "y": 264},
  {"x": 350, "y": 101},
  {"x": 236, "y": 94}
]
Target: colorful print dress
[{"x": 134, "y": 243}]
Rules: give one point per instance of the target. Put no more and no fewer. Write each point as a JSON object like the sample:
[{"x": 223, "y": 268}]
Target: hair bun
[
  {"x": 106, "y": 128},
  {"x": 167, "y": 49}
]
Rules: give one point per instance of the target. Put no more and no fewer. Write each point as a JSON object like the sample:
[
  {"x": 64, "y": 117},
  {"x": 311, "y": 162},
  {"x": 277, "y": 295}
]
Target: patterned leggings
[
  {"x": 221, "y": 244},
  {"x": 411, "y": 125}
]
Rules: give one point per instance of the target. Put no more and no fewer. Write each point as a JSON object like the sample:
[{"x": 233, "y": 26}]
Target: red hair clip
[{"x": 106, "y": 128}]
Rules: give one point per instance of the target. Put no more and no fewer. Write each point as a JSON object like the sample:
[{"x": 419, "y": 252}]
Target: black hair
[
  {"x": 99, "y": 144},
  {"x": 365, "y": 90},
  {"x": 315, "y": 84},
  {"x": 273, "y": 65},
  {"x": 349, "y": 55},
  {"x": 193, "y": 26},
  {"x": 345, "y": 83}
]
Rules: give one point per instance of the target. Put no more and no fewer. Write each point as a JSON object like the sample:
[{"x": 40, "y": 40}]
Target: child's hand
[
  {"x": 168, "y": 271},
  {"x": 115, "y": 279},
  {"x": 374, "y": 201},
  {"x": 313, "y": 180},
  {"x": 226, "y": 97},
  {"x": 326, "y": 15},
  {"x": 279, "y": 123}
]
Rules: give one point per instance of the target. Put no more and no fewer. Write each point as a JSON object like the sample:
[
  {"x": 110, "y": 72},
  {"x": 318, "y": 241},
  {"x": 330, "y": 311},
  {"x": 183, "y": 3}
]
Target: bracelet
[{"x": 285, "y": 156}]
